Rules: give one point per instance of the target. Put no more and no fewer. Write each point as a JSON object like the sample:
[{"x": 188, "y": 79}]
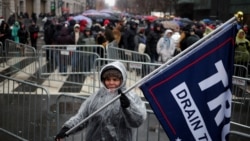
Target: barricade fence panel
[
  {"x": 135, "y": 71},
  {"x": 240, "y": 115},
  {"x": 128, "y": 55},
  {"x": 10, "y": 136},
  {"x": 21, "y": 57},
  {"x": 2, "y": 58},
  {"x": 68, "y": 66},
  {"x": 24, "y": 112},
  {"x": 67, "y": 105},
  {"x": 239, "y": 89}
]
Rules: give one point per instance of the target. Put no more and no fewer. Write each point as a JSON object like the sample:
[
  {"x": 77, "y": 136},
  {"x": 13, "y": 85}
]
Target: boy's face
[{"x": 112, "y": 82}]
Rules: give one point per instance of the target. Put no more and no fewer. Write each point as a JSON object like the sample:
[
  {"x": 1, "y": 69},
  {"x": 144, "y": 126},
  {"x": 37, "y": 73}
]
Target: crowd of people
[
  {"x": 132, "y": 34},
  {"x": 118, "y": 120},
  {"x": 19, "y": 31},
  {"x": 137, "y": 34}
]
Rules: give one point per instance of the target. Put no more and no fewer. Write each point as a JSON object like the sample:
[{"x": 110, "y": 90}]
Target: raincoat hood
[{"x": 115, "y": 65}]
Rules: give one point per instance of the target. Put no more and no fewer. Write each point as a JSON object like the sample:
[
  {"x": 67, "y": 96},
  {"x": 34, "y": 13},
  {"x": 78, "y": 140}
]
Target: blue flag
[{"x": 192, "y": 97}]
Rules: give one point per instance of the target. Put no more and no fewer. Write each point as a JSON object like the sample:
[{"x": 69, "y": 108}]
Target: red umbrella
[{"x": 150, "y": 18}]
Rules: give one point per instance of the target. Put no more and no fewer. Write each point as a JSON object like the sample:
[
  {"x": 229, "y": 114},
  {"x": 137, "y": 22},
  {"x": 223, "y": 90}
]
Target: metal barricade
[
  {"x": 135, "y": 71},
  {"x": 67, "y": 105},
  {"x": 21, "y": 57},
  {"x": 239, "y": 85},
  {"x": 242, "y": 58},
  {"x": 128, "y": 55},
  {"x": 69, "y": 66},
  {"x": 240, "y": 117},
  {"x": 10, "y": 136},
  {"x": 2, "y": 59},
  {"x": 24, "y": 112}
]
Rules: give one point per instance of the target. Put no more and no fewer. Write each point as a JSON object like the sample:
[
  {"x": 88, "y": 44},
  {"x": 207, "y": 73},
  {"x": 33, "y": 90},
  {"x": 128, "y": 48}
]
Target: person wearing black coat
[
  {"x": 129, "y": 35},
  {"x": 151, "y": 42},
  {"x": 64, "y": 56},
  {"x": 23, "y": 35},
  {"x": 5, "y": 33},
  {"x": 189, "y": 38},
  {"x": 33, "y": 31},
  {"x": 49, "y": 30}
]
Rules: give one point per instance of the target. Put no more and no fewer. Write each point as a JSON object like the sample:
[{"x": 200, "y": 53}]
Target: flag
[{"x": 191, "y": 98}]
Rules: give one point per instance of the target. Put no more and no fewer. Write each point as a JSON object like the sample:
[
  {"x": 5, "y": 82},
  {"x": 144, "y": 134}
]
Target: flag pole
[{"x": 237, "y": 17}]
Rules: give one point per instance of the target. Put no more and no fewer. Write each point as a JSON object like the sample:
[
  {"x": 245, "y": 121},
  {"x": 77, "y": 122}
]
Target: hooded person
[
  {"x": 166, "y": 46},
  {"x": 119, "y": 120},
  {"x": 14, "y": 32}
]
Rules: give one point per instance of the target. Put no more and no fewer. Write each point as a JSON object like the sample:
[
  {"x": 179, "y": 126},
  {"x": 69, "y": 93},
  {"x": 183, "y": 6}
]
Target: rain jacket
[
  {"x": 165, "y": 51},
  {"x": 14, "y": 32},
  {"x": 113, "y": 123},
  {"x": 242, "y": 48}
]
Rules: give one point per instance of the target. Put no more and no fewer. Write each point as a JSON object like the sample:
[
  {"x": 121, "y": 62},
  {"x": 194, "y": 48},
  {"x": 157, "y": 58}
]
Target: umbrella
[
  {"x": 81, "y": 17},
  {"x": 90, "y": 11},
  {"x": 107, "y": 11},
  {"x": 150, "y": 18},
  {"x": 100, "y": 15},
  {"x": 171, "y": 24}
]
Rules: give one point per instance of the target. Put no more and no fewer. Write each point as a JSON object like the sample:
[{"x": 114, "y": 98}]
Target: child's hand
[
  {"x": 62, "y": 133},
  {"x": 125, "y": 103}
]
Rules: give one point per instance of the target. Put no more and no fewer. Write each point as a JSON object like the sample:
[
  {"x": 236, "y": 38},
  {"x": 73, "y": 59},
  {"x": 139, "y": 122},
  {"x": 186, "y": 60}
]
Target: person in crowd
[
  {"x": 119, "y": 120},
  {"x": 117, "y": 33},
  {"x": 33, "y": 32},
  {"x": 83, "y": 24},
  {"x": 14, "y": 32},
  {"x": 77, "y": 35},
  {"x": 90, "y": 40},
  {"x": 140, "y": 40},
  {"x": 11, "y": 20},
  {"x": 166, "y": 47},
  {"x": 58, "y": 28},
  {"x": 72, "y": 23},
  {"x": 23, "y": 34},
  {"x": 101, "y": 40},
  {"x": 34, "y": 17},
  {"x": 110, "y": 38},
  {"x": 242, "y": 49},
  {"x": 23, "y": 37},
  {"x": 176, "y": 37},
  {"x": 49, "y": 30},
  {"x": 77, "y": 58},
  {"x": 188, "y": 37},
  {"x": 64, "y": 38},
  {"x": 106, "y": 23},
  {"x": 199, "y": 29},
  {"x": 140, "y": 46},
  {"x": 152, "y": 39},
  {"x": 5, "y": 33},
  {"x": 88, "y": 37},
  {"x": 246, "y": 29},
  {"x": 130, "y": 34}
]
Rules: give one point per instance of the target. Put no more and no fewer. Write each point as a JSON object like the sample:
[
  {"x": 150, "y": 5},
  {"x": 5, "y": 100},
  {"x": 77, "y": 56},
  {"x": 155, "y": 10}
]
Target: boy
[{"x": 117, "y": 122}]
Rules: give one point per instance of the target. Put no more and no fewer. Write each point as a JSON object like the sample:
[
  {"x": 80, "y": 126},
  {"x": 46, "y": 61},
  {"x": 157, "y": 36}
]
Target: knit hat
[
  {"x": 76, "y": 26},
  {"x": 106, "y": 22},
  {"x": 112, "y": 72}
]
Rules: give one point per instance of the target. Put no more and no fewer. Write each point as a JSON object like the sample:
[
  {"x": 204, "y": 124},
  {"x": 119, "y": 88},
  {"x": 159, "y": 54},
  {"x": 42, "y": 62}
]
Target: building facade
[
  {"x": 56, "y": 7},
  {"x": 213, "y": 9}
]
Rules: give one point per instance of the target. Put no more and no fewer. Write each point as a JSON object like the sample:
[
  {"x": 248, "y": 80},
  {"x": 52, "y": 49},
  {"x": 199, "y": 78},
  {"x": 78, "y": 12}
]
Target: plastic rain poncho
[
  {"x": 165, "y": 47},
  {"x": 113, "y": 123}
]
